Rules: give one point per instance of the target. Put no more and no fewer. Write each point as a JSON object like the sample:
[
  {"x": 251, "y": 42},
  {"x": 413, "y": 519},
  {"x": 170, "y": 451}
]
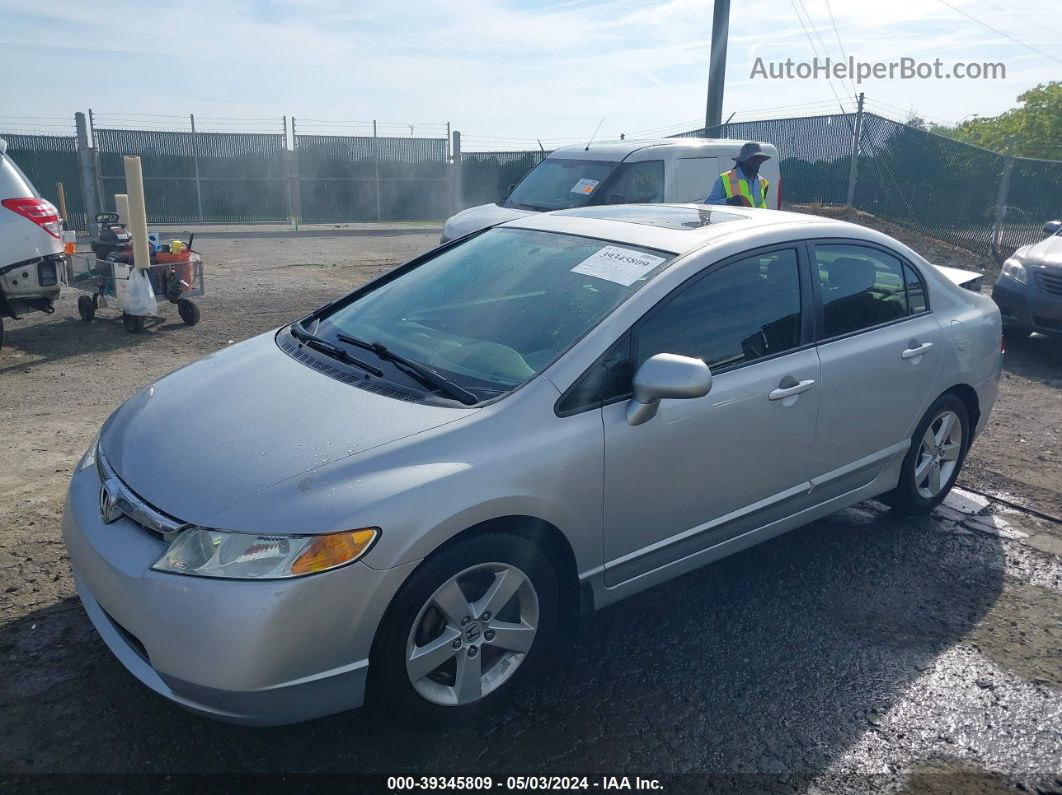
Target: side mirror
[
  {"x": 617, "y": 198},
  {"x": 1051, "y": 227},
  {"x": 666, "y": 375}
]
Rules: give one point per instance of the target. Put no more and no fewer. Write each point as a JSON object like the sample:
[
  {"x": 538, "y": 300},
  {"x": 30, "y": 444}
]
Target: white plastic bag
[{"x": 139, "y": 296}]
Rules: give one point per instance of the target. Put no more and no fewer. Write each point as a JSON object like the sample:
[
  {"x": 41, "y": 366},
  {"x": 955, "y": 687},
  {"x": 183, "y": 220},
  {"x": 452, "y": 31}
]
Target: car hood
[
  {"x": 1046, "y": 252},
  {"x": 475, "y": 218},
  {"x": 243, "y": 419}
]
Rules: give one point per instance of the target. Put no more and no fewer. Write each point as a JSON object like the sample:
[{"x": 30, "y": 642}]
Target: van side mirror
[
  {"x": 666, "y": 375},
  {"x": 1051, "y": 227}
]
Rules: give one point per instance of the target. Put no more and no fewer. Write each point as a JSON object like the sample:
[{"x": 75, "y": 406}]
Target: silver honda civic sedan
[{"x": 410, "y": 493}]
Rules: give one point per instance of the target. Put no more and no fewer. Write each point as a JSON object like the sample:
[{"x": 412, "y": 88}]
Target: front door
[{"x": 708, "y": 468}]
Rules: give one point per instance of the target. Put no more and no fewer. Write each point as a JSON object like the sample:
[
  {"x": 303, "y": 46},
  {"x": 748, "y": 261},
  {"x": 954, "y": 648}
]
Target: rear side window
[
  {"x": 741, "y": 312},
  {"x": 861, "y": 287}
]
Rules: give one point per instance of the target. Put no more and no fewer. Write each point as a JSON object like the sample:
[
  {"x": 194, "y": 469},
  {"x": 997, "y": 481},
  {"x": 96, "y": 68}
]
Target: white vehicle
[
  {"x": 31, "y": 245},
  {"x": 618, "y": 172}
]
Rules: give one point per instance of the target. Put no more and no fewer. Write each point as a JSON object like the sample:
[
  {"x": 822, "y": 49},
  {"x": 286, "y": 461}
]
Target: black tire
[
  {"x": 188, "y": 311},
  {"x": 1, "y": 333},
  {"x": 389, "y": 680},
  {"x": 86, "y": 307},
  {"x": 1016, "y": 333},
  {"x": 134, "y": 324},
  {"x": 905, "y": 497}
]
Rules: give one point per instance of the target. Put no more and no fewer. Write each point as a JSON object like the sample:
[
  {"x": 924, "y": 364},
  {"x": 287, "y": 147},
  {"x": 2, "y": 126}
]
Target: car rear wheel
[
  {"x": 469, "y": 624},
  {"x": 938, "y": 450}
]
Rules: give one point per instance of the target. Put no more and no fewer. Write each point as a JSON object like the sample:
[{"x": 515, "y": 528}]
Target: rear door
[{"x": 880, "y": 347}]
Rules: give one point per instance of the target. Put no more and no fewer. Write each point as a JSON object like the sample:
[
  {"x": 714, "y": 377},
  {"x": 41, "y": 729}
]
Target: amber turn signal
[{"x": 335, "y": 549}]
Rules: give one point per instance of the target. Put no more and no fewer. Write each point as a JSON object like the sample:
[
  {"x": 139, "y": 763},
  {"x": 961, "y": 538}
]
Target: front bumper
[
  {"x": 260, "y": 653},
  {"x": 1026, "y": 306}
]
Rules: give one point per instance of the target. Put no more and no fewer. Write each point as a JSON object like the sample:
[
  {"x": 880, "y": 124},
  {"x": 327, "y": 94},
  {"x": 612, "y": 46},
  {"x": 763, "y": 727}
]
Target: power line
[
  {"x": 825, "y": 49},
  {"x": 1037, "y": 22},
  {"x": 983, "y": 24},
  {"x": 816, "y": 53},
  {"x": 837, "y": 36}
]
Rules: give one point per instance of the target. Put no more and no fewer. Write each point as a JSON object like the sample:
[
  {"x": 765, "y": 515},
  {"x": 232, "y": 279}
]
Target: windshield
[
  {"x": 495, "y": 310},
  {"x": 556, "y": 184}
]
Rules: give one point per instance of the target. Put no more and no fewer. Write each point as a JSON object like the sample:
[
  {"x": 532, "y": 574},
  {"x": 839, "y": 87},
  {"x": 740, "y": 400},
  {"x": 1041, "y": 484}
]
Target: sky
[{"x": 504, "y": 72}]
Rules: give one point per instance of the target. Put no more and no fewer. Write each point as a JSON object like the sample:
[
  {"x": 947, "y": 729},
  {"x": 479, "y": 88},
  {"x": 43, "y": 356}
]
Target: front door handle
[
  {"x": 783, "y": 392},
  {"x": 917, "y": 350}
]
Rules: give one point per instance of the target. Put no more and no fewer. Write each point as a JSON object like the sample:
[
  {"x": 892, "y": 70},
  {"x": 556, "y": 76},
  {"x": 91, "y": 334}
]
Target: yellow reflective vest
[{"x": 735, "y": 185}]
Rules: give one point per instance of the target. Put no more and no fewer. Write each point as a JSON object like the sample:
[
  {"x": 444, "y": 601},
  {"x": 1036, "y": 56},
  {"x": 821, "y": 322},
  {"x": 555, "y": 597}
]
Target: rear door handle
[
  {"x": 918, "y": 350},
  {"x": 783, "y": 392}
]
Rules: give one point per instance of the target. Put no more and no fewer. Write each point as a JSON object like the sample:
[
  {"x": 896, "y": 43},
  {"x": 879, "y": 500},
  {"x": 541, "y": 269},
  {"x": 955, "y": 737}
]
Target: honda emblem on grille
[{"x": 109, "y": 509}]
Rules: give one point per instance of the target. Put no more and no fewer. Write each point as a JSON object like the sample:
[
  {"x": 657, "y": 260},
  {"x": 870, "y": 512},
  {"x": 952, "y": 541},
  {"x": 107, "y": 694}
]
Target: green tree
[{"x": 1036, "y": 126}]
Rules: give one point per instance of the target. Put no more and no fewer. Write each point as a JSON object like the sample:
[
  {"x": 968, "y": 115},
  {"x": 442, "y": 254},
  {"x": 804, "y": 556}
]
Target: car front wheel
[
  {"x": 470, "y": 623},
  {"x": 938, "y": 449}
]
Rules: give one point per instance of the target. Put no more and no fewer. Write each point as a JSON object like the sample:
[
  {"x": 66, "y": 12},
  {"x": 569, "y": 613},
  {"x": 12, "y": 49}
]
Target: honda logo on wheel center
[{"x": 472, "y": 632}]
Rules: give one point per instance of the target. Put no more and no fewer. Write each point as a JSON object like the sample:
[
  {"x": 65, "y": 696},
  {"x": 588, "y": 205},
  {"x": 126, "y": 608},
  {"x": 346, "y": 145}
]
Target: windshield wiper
[
  {"x": 423, "y": 373},
  {"x": 536, "y": 207},
  {"x": 326, "y": 347}
]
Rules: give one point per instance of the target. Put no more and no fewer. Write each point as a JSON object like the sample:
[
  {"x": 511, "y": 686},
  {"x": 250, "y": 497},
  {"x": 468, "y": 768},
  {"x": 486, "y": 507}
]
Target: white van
[
  {"x": 618, "y": 172},
  {"x": 31, "y": 245}
]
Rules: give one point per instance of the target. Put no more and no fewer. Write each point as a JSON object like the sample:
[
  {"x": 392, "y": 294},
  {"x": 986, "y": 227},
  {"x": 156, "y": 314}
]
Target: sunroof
[{"x": 662, "y": 215}]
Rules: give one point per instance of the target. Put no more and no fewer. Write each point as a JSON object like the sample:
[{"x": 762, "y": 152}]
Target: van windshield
[
  {"x": 496, "y": 309},
  {"x": 557, "y": 184}
]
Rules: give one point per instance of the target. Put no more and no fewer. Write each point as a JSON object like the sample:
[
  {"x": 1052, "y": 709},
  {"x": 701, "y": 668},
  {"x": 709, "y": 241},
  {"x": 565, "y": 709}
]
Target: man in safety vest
[{"x": 742, "y": 185}]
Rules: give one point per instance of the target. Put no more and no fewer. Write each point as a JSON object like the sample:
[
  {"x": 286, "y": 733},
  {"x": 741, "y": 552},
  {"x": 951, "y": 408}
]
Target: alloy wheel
[
  {"x": 472, "y": 634},
  {"x": 938, "y": 454}
]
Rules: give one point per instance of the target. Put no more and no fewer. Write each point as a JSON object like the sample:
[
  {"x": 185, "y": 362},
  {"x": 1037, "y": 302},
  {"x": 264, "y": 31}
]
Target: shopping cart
[{"x": 177, "y": 279}]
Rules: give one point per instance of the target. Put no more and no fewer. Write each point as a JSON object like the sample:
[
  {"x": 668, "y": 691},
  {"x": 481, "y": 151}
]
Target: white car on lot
[
  {"x": 31, "y": 246},
  {"x": 618, "y": 172}
]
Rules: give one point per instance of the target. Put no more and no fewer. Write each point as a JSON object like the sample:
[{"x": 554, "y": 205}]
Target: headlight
[
  {"x": 89, "y": 458},
  {"x": 1016, "y": 271},
  {"x": 203, "y": 552}
]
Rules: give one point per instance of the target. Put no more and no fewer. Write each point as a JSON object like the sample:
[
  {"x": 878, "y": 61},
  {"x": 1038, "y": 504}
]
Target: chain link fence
[
  {"x": 945, "y": 189},
  {"x": 368, "y": 178},
  {"x": 198, "y": 177},
  {"x": 940, "y": 187},
  {"x": 489, "y": 176}
]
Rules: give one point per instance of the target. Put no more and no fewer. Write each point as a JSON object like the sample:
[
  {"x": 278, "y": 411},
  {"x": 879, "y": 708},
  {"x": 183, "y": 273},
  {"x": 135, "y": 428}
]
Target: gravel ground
[{"x": 861, "y": 653}]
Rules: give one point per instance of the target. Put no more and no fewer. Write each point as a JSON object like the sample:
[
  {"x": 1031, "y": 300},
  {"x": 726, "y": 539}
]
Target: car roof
[
  {"x": 675, "y": 228},
  {"x": 680, "y": 147}
]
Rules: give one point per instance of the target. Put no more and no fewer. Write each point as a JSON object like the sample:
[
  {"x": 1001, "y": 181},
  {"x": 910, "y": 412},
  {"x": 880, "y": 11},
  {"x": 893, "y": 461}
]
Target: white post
[
  {"x": 134, "y": 185},
  {"x": 121, "y": 206}
]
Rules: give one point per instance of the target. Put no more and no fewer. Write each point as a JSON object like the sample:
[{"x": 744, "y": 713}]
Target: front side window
[
  {"x": 862, "y": 287},
  {"x": 743, "y": 311},
  {"x": 491, "y": 312},
  {"x": 637, "y": 183},
  {"x": 559, "y": 184}
]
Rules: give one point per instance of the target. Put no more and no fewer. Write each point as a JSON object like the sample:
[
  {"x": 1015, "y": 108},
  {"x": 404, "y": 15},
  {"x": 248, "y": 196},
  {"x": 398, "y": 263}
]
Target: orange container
[{"x": 182, "y": 266}]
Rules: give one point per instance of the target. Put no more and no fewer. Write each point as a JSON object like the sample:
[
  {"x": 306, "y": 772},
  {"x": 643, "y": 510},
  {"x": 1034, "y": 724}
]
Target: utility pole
[
  {"x": 86, "y": 161},
  {"x": 853, "y": 166},
  {"x": 717, "y": 64}
]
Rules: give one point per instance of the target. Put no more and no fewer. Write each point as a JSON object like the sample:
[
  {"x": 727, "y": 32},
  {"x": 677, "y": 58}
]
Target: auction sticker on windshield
[
  {"x": 620, "y": 265},
  {"x": 584, "y": 186}
]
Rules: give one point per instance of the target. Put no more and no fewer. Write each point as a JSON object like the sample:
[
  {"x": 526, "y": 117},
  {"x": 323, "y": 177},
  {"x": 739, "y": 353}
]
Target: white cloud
[{"x": 493, "y": 68}]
